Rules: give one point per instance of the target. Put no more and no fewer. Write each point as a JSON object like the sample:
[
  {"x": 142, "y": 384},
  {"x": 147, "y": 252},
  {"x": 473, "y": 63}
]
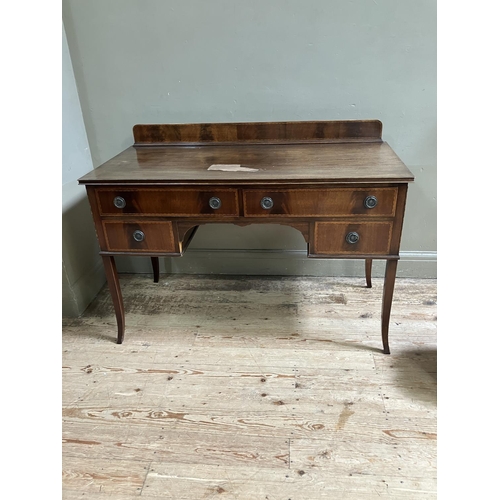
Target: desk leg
[
  {"x": 368, "y": 272},
  {"x": 156, "y": 269},
  {"x": 116, "y": 293},
  {"x": 390, "y": 278}
]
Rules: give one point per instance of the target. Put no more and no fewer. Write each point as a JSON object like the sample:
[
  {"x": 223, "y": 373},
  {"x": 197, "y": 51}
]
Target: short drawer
[
  {"x": 328, "y": 202},
  {"x": 175, "y": 202},
  {"x": 364, "y": 238},
  {"x": 138, "y": 236}
]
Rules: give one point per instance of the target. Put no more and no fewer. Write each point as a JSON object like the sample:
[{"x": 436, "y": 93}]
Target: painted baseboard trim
[{"x": 278, "y": 263}]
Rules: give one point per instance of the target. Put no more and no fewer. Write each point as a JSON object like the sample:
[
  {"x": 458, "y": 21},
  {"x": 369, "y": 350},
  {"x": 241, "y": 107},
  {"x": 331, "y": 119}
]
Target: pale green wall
[
  {"x": 140, "y": 61},
  {"x": 82, "y": 273}
]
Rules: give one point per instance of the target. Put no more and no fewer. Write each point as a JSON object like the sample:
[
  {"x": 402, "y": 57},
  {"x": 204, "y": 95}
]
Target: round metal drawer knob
[
  {"x": 215, "y": 202},
  {"x": 119, "y": 202},
  {"x": 138, "y": 236},
  {"x": 352, "y": 237},
  {"x": 266, "y": 203},
  {"x": 370, "y": 202}
]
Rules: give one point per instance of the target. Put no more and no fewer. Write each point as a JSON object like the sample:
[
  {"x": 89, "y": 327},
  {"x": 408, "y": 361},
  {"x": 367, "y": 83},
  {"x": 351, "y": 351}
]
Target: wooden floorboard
[{"x": 251, "y": 387}]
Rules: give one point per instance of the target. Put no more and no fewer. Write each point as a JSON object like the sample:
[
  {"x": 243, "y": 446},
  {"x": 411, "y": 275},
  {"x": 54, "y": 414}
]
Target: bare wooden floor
[{"x": 251, "y": 388}]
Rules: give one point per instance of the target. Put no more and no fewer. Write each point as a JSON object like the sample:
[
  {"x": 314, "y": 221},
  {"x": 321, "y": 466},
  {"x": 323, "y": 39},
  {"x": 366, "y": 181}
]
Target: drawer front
[
  {"x": 138, "y": 236},
  {"x": 334, "y": 202},
  {"x": 173, "y": 202},
  {"x": 364, "y": 238}
]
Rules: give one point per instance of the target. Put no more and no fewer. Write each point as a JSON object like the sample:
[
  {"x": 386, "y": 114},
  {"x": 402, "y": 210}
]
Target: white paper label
[{"x": 231, "y": 167}]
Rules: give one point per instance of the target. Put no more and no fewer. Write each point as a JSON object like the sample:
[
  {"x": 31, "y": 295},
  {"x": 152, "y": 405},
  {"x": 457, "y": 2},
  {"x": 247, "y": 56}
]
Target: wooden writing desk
[{"x": 336, "y": 182}]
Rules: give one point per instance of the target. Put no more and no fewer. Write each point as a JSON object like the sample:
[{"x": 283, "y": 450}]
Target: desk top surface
[{"x": 277, "y": 162}]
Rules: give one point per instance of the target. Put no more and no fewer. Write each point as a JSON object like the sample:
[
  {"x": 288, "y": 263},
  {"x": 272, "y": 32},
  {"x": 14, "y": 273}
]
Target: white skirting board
[{"x": 277, "y": 263}]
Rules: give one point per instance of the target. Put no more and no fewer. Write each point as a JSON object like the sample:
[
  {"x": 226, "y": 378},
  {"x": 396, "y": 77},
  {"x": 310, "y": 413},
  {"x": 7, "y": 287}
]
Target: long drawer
[
  {"x": 169, "y": 202},
  {"x": 328, "y": 202}
]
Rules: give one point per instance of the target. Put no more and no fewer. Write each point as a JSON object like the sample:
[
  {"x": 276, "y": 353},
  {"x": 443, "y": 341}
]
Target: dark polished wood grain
[
  {"x": 116, "y": 294},
  {"x": 398, "y": 218},
  {"x": 273, "y": 164},
  {"x": 155, "y": 262},
  {"x": 336, "y": 182},
  {"x": 157, "y": 236},
  {"x": 318, "y": 202},
  {"x": 259, "y": 132},
  {"x": 374, "y": 238},
  {"x": 368, "y": 272},
  {"x": 168, "y": 201},
  {"x": 389, "y": 281}
]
